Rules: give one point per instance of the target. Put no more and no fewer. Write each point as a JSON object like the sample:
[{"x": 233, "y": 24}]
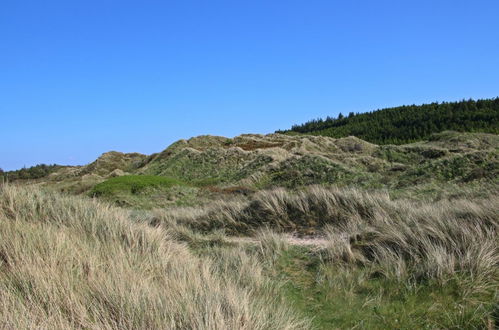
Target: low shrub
[{"x": 133, "y": 184}]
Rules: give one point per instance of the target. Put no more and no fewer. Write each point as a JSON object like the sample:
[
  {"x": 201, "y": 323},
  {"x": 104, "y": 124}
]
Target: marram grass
[{"x": 67, "y": 262}]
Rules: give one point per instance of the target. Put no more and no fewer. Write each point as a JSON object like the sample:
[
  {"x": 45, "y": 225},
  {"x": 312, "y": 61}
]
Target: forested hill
[{"x": 407, "y": 124}]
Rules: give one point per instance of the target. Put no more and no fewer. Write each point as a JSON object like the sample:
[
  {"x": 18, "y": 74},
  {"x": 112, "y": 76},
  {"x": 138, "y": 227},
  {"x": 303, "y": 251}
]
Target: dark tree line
[
  {"x": 407, "y": 124},
  {"x": 34, "y": 172}
]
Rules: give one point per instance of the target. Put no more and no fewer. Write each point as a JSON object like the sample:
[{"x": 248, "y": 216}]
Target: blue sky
[{"x": 79, "y": 78}]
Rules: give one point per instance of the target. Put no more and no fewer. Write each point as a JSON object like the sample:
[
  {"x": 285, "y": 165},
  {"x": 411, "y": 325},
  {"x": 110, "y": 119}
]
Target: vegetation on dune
[
  {"x": 133, "y": 184},
  {"x": 384, "y": 264},
  {"x": 113, "y": 160},
  {"x": 311, "y": 210},
  {"x": 70, "y": 262},
  {"x": 263, "y": 232},
  {"x": 348, "y": 297},
  {"x": 31, "y": 173},
  {"x": 66, "y": 262},
  {"x": 261, "y": 162},
  {"x": 328, "y": 155},
  {"x": 103, "y": 166},
  {"x": 296, "y": 161},
  {"x": 145, "y": 191},
  {"x": 407, "y": 124}
]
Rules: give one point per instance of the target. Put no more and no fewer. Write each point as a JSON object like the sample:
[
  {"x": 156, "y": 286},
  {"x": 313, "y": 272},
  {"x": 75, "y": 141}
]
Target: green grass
[
  {"x": 146, "y": 192},
  {"x": 335, "y": 297},
  {"x": 206, "y": 182},
  {"x": 133, "y": 184}
]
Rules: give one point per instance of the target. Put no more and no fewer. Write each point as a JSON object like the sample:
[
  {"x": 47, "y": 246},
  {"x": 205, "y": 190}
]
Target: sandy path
[{"x": 291, "y": 239}]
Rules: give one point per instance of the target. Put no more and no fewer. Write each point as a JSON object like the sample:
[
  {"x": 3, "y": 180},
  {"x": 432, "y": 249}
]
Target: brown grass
[
  {"x": 403, "y": 238},
  {"x": 66, "y": 262}
]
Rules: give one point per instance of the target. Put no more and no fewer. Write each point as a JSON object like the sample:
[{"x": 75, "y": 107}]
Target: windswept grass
[
  {"x": 71, "y": 262},
  {"x": 386, "y": 264},
  {"x": 310, "y": 210},
  {"x": 66, "y": 262},
  {"x": 404, "y": 239}
]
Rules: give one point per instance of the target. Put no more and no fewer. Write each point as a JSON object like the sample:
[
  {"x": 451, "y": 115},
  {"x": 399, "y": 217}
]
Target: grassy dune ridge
[{"x": 266, "y": 161}]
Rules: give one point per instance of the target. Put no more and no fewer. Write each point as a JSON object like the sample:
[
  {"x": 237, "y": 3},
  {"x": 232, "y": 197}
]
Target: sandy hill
[{"x": 291, "y": 161}]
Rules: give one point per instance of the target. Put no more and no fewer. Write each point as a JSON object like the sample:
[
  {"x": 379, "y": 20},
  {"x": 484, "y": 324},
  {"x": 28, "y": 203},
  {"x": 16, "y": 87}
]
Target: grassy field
[{"x": 74, "y": 262}]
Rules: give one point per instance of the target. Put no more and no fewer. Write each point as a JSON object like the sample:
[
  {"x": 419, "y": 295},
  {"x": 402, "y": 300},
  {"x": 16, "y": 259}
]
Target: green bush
[
  {"x": 133, "y": 184},
  {"x": 31, "y": 173}
]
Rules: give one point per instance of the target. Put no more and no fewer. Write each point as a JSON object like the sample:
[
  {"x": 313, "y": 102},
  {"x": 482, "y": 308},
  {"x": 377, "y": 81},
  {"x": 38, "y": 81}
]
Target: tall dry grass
[
  {"x": 402, "y": 238},
  {"x": 66, "y": 262},
  {"x": 303, "y": 211},
  {"x": 433, "y": 241}
]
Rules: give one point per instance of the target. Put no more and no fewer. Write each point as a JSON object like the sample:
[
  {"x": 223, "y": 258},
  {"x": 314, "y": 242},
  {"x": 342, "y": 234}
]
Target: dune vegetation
[
  {"x": 373, "y": 262},
  {"x": 404, "y": 263},
  {"x": 257, "y": 232},
  {"x": 66, "y": 262}
]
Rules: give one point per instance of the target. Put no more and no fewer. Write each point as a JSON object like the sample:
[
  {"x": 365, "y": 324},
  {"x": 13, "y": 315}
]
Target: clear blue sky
[{"x": 79, "y": 78}]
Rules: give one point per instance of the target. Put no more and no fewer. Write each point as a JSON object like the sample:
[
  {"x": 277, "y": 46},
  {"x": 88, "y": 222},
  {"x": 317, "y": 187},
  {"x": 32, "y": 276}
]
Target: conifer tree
[{"x": 409, "y": 123}]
